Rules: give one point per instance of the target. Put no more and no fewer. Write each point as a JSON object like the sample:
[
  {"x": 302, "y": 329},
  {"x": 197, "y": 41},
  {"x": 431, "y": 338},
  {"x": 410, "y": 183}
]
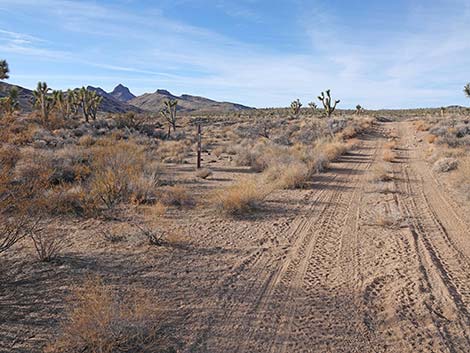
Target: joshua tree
[
  {"x": 295, "y": 107},
  {"x": 466, "y": 90},
  {"x": 313, "y": 106},
  {"x": 89, "y": 102},
  {"x": 4, "y": 70},
  {"x": 359, "y": 109},
  {"x": 169, "y": 113},
  {"x": 72, "y": 103},
  {"x": 10, "y": 103},
  {"x": 42, "y": 100},
  {"x": 94, "y": 103},
  {"x": 326, "y": 101},
  {"x": 443, "y": 111},
  {"x": 59, "y": 102}
]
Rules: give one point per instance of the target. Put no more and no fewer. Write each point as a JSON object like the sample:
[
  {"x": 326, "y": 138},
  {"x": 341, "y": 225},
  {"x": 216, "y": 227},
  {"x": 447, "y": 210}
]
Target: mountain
[
  {"x": 121, "y": 100},
  {"x": 109, "y": 104},
  {"x": 122, "y": 93},
  {"x": 186, "y": 103},
  {"x": 25, "y": 96}
]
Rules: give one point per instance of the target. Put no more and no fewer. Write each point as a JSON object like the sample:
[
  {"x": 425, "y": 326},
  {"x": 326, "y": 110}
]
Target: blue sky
[{"x": 380, "y": 54}]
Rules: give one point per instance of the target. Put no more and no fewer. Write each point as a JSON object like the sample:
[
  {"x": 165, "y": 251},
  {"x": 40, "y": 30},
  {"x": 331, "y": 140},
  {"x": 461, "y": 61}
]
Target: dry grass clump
[
  {"x": 242, "y": 197},
  {"x": 258, "y": 156},
  {"x": 289, "y": 176},
  {"x": 86, "y": 141},
  {"x": 381, "y": 174},
  {"x": 174, "y": 151},
  {"x": 444, "y": 165},
  {"x": 100, "y": 321},
  {"x": 177, "y": 196},
  {"x": 204, "y": 173},
  {"x": 333, "y": 150},
  {"x": 156, "y": 210}
]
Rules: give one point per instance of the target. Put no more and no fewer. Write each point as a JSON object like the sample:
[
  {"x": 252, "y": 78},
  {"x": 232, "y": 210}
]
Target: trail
[{"x": 368, "y": 267}]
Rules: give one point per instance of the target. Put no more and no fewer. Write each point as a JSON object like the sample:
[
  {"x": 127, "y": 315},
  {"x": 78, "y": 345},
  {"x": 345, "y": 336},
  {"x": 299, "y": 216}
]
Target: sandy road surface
[{"x": 370, "y": 267}]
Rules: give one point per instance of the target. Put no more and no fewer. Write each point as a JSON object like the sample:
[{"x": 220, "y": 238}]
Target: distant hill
[
  {"x": 121, "y": 100},
  {"x": 25, "y": 96},
  {"x": 122, "y": 93},
  {"x": 186, "y": 103}
]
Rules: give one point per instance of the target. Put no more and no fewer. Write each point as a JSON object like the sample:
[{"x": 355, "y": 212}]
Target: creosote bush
[{"x": 122, "y": 172}]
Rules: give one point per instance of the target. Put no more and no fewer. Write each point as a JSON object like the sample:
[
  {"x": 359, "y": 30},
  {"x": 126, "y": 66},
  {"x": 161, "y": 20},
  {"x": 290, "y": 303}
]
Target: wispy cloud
[{"x": 419, "y": 62}]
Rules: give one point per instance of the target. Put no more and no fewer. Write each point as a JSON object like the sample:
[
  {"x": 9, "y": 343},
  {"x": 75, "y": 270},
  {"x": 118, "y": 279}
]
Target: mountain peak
[
  {"x": 122, "y": 93},
  {"x": 163, "y": 92}
]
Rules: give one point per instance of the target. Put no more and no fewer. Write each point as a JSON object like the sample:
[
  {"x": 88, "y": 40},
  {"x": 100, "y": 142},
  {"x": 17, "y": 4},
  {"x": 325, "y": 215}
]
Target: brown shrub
[
  {"x": 178, "y": 196},
  {"x": 48, "y": 243},
  {"x": 288, "y": 176},
  {"x": 99, "y": 321},
  {"x": 380, "y": 173},
  {"x": 86, "y": 141},
  {"x": 174, "y": 151},
  {"x": 122, "y": 172},
  {"x": 15, "y": 228},
  {"x": 333, "y": 150},
  {"x": 349, "y": 132}
]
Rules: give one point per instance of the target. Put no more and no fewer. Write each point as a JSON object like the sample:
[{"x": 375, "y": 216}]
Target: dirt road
[
  {"x": 368, "y": 267},
  {"x": 348, "y": 264}
]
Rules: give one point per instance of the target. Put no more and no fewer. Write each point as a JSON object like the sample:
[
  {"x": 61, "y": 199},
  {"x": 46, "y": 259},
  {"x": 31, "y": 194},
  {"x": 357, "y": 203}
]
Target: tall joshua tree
[
  {"x": 359, "y": 109},
  {"x": 329, "y": 109},
  {"x": 326, "y": 101},
  {"x": 94, "y": 102},
  {"x": 295, "y": 107},
  {"x": 4, "y": 70},
  {"x": 169, "y": 113},
  {"x": 42, "y": 100}
]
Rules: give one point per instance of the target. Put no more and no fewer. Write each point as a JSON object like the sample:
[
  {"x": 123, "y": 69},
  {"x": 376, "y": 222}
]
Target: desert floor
[{"x": 346, "y": 264}]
